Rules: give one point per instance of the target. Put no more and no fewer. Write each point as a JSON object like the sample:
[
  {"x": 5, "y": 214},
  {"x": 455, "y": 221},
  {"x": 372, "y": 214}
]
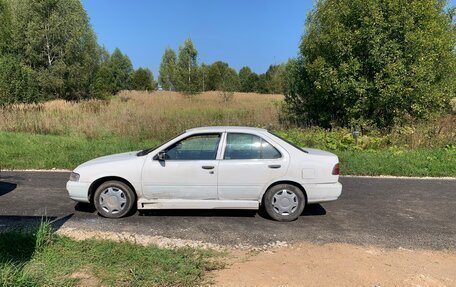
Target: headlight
[{"x": 74, "y": 176}]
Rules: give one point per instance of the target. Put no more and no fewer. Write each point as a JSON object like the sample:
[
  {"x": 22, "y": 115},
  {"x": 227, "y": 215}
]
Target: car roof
[{"x": 226, "y": 129}]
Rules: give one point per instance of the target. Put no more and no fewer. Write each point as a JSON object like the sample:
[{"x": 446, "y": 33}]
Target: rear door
[{"x": 249, "y": 162}]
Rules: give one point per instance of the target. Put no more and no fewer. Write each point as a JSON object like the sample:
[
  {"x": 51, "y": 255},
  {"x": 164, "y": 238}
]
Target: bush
[
  {"x": 373, "y": 63},
  {"x": 142, "y": 80},
  {"x": 436, "y": 134},
  {"x": 17, "y": 82}
]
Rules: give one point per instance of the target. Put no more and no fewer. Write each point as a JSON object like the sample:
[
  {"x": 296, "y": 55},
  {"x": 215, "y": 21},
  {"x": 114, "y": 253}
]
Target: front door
[{"x": 188, "y": 172}]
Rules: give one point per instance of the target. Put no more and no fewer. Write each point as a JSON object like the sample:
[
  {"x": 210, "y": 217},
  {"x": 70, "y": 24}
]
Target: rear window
[{"x": 290, "y": 143}]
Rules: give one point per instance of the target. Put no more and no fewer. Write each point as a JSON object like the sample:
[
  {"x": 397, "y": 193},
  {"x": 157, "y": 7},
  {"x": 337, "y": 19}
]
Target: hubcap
[
  {"x": 285, "y": 202},
  {"x": 113, "y": 200}
]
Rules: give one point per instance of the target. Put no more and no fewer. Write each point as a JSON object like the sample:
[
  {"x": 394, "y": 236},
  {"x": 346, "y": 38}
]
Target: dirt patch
[
  {"x": 308, "y": 264},
  {"x": 86, "y": 279}
]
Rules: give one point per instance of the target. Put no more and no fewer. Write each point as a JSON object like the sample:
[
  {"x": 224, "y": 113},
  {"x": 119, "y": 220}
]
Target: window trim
[
  {"x": 220, "y": 134},
  {"x": 225, "y": 144}
]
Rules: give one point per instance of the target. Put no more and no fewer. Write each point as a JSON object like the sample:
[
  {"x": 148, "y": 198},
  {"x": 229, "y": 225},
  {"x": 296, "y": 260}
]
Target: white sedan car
[{"x": 210, "y": 168}]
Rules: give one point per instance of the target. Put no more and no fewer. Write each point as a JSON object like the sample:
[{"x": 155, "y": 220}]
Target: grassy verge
[
  {"x": 42, "y": 258},
  {"x": 23, "y": 150},
  {"x": 438, "y": 162}
]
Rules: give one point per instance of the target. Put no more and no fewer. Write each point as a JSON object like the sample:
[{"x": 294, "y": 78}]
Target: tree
[
  {"x": 5, "y": 28},
  {"x": 204, "y": 76},
  {"x": 372, "y": 62},
  {"x": 187, "y": 68},
  {"x": 291, "y": 86},
  {"x": 248, "y": 80},
  {"x": 143, "y": 80},
  {"x": 104, "y": 84},
  {"x": 220, "y": 73},
  {"x": 275, "y": 77},
  {"x": 228, "y": 85},
  {"x": 167, "y": 71},
  {"x": 55, "y": 39},
  {"x": 17, "y": 82},
  {"x": 121, "y": 69},
  {"x": 262, "y": 84},
  {"x": 214, "y": 75},
  {"x": 253, "y": 80},
  {"x": 50, "y": 45},
  {"x": 114, "y": 73}
]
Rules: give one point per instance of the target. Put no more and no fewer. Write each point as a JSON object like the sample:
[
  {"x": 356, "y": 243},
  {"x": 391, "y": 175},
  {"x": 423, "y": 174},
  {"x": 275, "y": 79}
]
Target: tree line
[
  {"x": 365, "y": 63},
  {"x": 48, "y": 50},
  {"x": 181, "y": 72}
]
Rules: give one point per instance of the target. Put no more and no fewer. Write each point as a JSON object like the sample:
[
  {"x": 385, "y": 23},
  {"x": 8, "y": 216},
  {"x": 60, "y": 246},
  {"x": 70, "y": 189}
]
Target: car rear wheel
[
  {"x": 114, "y": 199},
  {"x": 284, "y": 202}
]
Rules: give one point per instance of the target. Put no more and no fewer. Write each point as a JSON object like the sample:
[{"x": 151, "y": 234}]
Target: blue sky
[{"x": 250, "y": 32}]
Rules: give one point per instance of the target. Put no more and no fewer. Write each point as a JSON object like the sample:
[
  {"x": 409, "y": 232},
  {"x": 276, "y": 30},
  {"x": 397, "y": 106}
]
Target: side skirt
[{"x": 196, "y": 204}]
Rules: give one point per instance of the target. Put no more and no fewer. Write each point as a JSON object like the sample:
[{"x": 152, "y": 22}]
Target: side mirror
[{"x": 161, "y": 155}]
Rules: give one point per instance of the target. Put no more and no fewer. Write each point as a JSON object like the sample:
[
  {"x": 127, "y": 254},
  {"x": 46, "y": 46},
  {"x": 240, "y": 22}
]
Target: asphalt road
[{"x": 388, "y": 212}]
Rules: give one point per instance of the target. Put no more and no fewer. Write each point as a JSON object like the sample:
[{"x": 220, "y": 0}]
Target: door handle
[
  {"x": 274, "y": 166},
  {"x": 208, "y": 167}
]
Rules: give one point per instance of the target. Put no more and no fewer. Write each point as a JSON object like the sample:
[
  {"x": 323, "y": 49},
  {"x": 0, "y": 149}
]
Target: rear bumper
[
  {"x": 322, "y": 192},
  {"x": 78, "y": 191}
]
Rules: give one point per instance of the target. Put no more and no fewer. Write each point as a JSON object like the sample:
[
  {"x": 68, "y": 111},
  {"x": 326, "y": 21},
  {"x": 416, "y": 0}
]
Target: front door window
[{"x": 197, "y": 147}]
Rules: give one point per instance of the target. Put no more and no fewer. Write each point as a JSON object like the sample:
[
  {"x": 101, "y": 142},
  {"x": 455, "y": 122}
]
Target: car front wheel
[
  {"x": 114, "y": 199},
  {"x": 284, "y": 202}
]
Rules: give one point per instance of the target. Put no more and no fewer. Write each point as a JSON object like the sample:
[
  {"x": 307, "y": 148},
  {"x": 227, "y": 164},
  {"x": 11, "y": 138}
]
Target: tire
[
  {"x": 284, "y": 202},
  {"x": 114, "y": 199}
]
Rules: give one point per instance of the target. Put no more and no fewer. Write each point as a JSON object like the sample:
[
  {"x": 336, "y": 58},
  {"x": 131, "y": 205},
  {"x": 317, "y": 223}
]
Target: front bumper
[
  {"x": 78, "y": 191},
  {"x": 322, "y": 192}
]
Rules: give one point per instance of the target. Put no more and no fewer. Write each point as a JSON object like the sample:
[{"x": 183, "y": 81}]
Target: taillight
[{"x": 336, "y": 169}]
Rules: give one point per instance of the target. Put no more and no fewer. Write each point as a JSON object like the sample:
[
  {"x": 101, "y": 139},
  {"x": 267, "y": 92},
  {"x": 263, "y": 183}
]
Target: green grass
[
  {"x": 42, "y": 258},
  {"x": 438, "y": 162},
  {"x": 24, "y": 150}
]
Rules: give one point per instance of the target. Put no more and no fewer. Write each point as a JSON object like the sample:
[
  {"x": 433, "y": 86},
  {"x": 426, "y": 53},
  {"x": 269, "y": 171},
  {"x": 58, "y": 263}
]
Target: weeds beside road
[
  {"x": 42, "y": 258},
  {"x": 61, "y": 134}
]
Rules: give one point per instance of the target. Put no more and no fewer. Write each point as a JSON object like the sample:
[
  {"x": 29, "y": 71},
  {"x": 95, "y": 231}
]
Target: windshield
[{"x": 149, "y": 150}]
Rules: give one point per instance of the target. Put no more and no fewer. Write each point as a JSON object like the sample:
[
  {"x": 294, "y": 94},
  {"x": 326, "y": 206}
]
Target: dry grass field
[
  {"x": 60, "y": 134},
  {"x": 142, "y": 115}
]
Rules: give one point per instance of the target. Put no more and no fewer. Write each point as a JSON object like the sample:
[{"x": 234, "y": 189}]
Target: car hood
[{"x": 110, "y": 159}]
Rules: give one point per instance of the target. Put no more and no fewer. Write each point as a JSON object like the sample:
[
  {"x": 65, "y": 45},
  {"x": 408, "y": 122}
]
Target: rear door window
[{"x": 248, "y": 146}]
